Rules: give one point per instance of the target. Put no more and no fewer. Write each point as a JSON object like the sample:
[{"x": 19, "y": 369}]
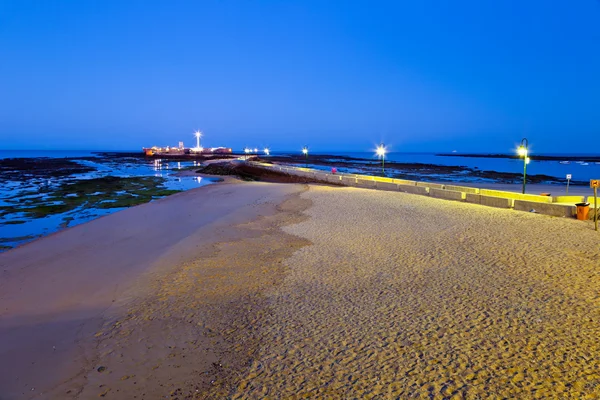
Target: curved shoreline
[{"x": 65, "y": 296}]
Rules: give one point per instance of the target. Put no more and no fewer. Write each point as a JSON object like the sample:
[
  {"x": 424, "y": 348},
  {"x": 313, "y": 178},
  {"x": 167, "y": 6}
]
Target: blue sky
[{"x": 473, "y": 75}]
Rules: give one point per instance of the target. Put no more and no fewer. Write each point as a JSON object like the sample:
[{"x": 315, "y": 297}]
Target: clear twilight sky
[{"x": 470, "y": 75}]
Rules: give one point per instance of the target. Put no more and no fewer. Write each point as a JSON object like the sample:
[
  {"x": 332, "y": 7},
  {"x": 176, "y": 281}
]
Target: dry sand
[
  {"x": 409, "y": 297},
  {"x": 262, "y": 290}
]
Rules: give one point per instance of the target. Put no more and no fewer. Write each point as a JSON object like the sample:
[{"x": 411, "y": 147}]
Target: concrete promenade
[{"x": 557, "y": 206}]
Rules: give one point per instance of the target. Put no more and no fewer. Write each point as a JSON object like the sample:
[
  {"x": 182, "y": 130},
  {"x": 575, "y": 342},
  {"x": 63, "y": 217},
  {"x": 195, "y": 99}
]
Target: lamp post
[
  {"x": 246, "y": 150},
  {"x": 267, "y": 151},
  {"x": 523, "y": 152},
  {"x": 198, "y": 135},
  {"x": 381, "y": 153},
  {"x": 305, "y": 152}
]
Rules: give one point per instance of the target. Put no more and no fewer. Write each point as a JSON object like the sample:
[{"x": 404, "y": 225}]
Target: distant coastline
[{"x": 585, "y": 158}]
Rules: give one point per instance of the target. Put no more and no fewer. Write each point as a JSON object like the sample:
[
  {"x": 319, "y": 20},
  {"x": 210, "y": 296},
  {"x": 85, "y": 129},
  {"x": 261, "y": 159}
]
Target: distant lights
[
  {"x": 198, "y": 135},
  {"x": 266, "y": 150}
]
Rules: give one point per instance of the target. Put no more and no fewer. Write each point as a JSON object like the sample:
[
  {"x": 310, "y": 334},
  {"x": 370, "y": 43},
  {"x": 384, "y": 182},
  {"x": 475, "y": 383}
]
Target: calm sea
[
  {"x": 15, "y": 191},
  {"x": 45, "y": 153},
  {"x": 580, "y": 171}
]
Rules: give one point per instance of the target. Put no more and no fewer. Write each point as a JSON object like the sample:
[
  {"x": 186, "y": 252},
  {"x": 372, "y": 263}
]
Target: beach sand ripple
[{"x": 409, "y": 297}]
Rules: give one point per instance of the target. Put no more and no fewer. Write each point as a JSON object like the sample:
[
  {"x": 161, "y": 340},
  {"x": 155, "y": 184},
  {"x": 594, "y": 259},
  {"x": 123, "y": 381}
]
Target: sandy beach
[
  {"x": 409, "y": 297},
  {"x": 136, "y": 304},
  {"x": 267, "y": 290}
]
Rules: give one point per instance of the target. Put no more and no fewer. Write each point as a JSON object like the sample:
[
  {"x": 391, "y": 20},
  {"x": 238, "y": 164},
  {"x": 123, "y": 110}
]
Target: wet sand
[{"x": 148, "y": 302}]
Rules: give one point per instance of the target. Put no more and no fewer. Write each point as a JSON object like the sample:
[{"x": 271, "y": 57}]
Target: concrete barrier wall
[
  {"x": 321, "y": 176},
  {"x": 404, "y": 182},
  {"x": 414, "y": 189},
  {"x": 333, "y": 178},
  {"x": 447, "y": 194},
  {"x": 366, "y": 183},
  {"x": 515, "y": 196},
  {"x": 486, "y": 197},
  {"x": 430, "y": 185},
  {"x": 304, "y": 174},
  {"x": 499, "y": 202},
  {"x": 349, "y": 181},
  {"x": 590, "y": 200},
  {"x": 567, "y": 199},
  {"x": 461, "y": 189},
  {"x": 382, "y": 179},
  {"x": 557, "y": 210},
  {"x": 386, "y": 186},
  {"x": 473, "y": 198}
]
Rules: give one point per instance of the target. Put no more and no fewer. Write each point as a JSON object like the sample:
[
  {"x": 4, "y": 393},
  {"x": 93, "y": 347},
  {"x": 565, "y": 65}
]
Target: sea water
[{"x": 15, "y": 234}]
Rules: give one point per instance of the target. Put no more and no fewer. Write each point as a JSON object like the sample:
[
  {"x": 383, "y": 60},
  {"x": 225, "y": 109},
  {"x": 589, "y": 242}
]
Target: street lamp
[
  {"x": 381, "y": 153},
  {"x": 523, "y": 152},
  {"x": 266, "y": 150},
  {"x": 305, "y": 152},
  {"x": 246, "y": 150},
  {"x": 198, "y": 135}
]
